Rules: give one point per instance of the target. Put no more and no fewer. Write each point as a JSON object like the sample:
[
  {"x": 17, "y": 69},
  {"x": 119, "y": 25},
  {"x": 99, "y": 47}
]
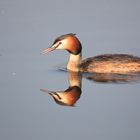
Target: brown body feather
[{"x": 111, "y": 63}]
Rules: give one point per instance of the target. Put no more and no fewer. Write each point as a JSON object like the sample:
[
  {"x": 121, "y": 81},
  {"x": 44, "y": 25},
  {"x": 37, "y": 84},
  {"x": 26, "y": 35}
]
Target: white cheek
[
  {"x": 63, "y": 45},
  {"x": 60, "y": 46}
]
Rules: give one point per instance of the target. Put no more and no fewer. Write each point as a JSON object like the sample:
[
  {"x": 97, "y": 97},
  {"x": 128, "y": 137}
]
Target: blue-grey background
[{"x": 104, "y": 111}]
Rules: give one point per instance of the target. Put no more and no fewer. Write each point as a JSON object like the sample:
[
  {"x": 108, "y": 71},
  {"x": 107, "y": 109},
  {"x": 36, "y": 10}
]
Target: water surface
[{"x": 103, "y": 110}]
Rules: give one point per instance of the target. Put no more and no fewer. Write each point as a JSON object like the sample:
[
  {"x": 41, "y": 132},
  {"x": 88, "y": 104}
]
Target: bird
[{"x": 104, "y": 63}]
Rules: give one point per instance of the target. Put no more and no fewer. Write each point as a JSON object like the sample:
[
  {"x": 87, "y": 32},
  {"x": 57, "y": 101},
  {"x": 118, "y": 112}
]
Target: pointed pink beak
[
  {"x": 53, "y": 47},
  {"x": 47, "y": 50}
]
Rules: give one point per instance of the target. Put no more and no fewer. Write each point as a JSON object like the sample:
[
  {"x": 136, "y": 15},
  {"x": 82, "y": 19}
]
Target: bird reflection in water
[
  {"x": 69, "y": 96},
  {"x": 113, "y": 77}
]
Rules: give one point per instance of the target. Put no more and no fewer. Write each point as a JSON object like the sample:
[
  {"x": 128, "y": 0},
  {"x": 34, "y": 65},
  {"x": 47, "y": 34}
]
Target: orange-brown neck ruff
[{"x": 74, "y": 45}]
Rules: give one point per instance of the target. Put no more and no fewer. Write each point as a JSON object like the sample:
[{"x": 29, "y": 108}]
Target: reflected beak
[
  {"x": 46, "y": 91},
  {"x": 52, "y": 93}
]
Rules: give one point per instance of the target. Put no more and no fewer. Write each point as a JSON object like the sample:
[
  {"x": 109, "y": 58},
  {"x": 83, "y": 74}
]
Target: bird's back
[{"x": 111, "y": 63}]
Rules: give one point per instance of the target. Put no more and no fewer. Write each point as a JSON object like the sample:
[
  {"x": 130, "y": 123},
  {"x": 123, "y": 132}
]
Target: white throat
[{"x": 74, "y": 62}]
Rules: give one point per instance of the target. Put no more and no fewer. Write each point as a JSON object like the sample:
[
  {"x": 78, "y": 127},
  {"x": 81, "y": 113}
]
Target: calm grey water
[{"x": 109, "y": 111}]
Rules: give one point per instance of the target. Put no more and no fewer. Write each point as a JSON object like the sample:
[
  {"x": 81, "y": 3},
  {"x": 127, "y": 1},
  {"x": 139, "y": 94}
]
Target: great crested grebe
[{"x": 107, "y": 63}]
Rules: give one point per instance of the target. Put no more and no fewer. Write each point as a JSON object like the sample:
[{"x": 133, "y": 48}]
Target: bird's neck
[
  {"x": 75, "y": 79},
  {"x": 74, "y": 62}
]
